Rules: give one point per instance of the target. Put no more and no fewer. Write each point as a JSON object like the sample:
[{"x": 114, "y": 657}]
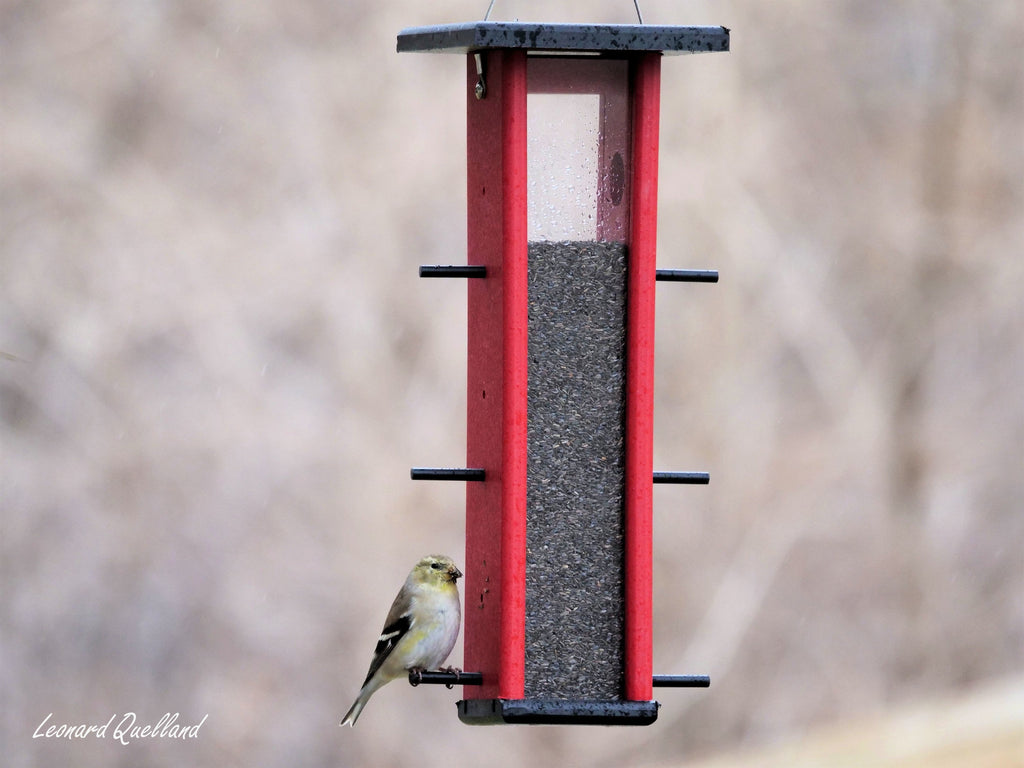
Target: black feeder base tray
[{"x": 556, "y": 712}]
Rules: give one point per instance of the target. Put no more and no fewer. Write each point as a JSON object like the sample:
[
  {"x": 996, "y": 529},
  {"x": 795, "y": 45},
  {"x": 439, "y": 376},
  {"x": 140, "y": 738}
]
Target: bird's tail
[
  {"x": 353, "y": 714},
  {"x": 368, "y": 689}
]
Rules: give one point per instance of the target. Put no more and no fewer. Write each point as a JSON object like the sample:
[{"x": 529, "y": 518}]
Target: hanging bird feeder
[{"x": 562, "y": 157}]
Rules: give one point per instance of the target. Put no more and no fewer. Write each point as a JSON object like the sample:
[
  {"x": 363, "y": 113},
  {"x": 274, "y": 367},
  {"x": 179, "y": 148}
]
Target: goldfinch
[{"x": 420, "y": 630}]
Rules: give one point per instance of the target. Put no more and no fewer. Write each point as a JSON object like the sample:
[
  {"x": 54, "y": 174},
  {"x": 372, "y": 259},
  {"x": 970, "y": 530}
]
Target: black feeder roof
[{"x": 580, "y": 38}]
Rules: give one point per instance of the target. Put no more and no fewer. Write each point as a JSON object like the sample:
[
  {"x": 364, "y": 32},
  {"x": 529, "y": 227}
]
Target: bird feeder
[{"x": 562, "y": 154}]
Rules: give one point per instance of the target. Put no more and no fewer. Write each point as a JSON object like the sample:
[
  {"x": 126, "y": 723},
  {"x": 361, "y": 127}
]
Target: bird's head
[{"x": 437, "y": 569}]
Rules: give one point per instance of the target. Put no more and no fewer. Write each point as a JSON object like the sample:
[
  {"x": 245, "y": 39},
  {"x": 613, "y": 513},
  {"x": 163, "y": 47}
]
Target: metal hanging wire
[{"x": 636, "y": 4}]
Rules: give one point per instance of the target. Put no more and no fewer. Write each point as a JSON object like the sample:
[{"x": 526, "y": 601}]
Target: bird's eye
[{"x": 436, "y": 566}]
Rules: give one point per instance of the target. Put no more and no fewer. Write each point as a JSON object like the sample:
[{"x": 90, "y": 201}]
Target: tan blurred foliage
[{"x": 220, "y": 364}]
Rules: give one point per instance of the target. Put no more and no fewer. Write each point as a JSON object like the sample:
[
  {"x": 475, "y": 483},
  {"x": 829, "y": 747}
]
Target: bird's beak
[{"x": 454, "y": 573}]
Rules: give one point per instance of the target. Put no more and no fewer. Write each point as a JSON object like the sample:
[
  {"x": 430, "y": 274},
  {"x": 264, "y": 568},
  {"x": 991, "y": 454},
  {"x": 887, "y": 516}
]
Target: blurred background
[{"x": 219, "y": 364}]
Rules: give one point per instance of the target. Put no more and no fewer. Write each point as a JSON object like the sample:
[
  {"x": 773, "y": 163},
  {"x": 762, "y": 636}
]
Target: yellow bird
[{"x": 420, "y": 630}]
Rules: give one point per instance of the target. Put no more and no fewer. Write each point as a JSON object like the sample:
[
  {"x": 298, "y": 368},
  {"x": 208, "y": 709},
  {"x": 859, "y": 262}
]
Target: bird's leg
[
  {"x": 451, "y": 671},
  {"x": 415, "y": 676}
]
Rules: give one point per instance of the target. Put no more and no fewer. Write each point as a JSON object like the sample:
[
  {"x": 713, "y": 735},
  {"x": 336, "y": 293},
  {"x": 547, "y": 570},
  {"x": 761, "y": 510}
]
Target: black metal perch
[
  {"x": 687, "y": 275},
  {"x": 450, "y": 678},
  {"x": 452, "y": 270},
  {"x": 446, "y": 473},
  {"x": 683, "y": 478}
]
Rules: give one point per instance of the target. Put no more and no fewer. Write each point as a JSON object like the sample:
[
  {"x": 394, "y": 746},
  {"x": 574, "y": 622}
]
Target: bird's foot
[
  {"x": 452, "y": 671},
  {"x": 415, "y": 676}
]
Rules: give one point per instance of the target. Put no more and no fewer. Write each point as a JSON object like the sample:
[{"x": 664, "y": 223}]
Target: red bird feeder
[{"x": 562, "y": 191}]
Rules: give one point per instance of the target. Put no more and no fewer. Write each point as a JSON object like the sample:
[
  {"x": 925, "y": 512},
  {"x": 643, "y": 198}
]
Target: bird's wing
[{"x": 394, "y": 630}]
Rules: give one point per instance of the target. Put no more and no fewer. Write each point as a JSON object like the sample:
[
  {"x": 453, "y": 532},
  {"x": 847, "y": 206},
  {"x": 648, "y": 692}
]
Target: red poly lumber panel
[
  {"x": 496, "y": 373},
  {"x": 640, "y": 372}
]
